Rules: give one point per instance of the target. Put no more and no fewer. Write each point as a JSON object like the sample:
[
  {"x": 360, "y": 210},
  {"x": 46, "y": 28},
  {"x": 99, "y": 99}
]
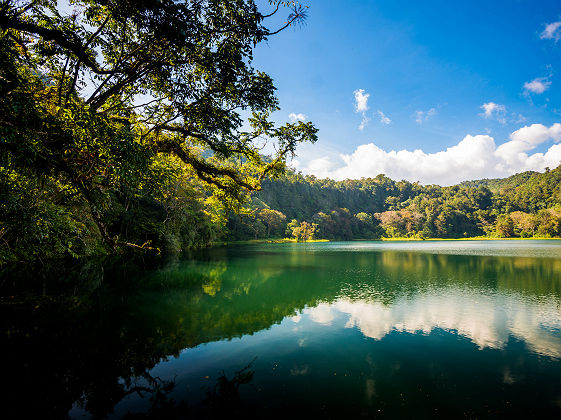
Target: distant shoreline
[
  {"x": 475, "y": 238},
  {"x": 289, "y": 240}
]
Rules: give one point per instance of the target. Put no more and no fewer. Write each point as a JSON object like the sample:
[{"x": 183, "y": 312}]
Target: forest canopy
[{"x": 526, "y": 205}]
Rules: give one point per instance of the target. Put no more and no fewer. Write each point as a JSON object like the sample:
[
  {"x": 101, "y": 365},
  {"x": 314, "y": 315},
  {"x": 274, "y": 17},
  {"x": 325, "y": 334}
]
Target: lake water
[{"x": 337, "y": 330}]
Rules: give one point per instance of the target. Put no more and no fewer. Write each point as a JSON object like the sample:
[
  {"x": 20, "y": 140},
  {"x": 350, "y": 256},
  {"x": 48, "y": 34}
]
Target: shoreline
[
  {"x": 475, "y": 238},
  {"x": 289, "y": 240}
]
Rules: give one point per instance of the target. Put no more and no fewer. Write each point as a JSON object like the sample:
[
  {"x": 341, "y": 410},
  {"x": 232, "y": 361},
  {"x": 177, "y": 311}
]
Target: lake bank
[{"x": 290, "y": 240}]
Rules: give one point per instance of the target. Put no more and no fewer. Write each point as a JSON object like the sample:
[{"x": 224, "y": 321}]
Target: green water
[{"x": 336, "y": 330}]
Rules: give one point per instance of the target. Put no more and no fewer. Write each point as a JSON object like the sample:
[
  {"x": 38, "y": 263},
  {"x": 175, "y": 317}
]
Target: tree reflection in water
[{"x": 222, "y": 400}]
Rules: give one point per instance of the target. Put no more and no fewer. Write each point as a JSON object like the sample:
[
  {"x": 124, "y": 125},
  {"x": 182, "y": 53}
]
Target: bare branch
[{"x": 274, "y": 12}]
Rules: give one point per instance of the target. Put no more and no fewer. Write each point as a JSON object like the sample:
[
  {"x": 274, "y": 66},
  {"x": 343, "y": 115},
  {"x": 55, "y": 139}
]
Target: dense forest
[
  {"x": 524, "y": 205},
  {"x": 129, "y": 125}
]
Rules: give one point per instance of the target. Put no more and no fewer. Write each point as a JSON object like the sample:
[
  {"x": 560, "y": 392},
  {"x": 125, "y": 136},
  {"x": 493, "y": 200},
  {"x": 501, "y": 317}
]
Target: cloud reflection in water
[{"x": 487, "y": 319}]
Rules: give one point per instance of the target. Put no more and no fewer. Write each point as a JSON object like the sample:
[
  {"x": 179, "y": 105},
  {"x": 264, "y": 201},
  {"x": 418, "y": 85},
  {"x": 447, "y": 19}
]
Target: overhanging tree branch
[{"x": 64, "y": 39}]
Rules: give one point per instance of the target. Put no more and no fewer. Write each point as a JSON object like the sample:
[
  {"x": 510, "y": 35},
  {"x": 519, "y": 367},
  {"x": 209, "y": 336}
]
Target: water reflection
[
  {"x": 87, "y": 335},
  {"x": 488, "y": 320}
]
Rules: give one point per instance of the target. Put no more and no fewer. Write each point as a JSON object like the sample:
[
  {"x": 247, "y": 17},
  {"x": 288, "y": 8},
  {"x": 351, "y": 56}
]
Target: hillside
[{"x": 523, "y": 205}]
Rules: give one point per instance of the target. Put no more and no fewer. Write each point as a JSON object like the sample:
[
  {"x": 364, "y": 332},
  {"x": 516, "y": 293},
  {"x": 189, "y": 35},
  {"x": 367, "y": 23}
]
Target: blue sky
[{"x": 457, "y": 90}]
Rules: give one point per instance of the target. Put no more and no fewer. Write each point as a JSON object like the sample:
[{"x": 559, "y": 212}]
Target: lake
[{"x": 429, "y": 329}]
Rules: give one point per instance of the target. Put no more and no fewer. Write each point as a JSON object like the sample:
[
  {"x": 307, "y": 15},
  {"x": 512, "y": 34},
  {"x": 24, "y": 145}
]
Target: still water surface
[{"x": 350, "y": 329}]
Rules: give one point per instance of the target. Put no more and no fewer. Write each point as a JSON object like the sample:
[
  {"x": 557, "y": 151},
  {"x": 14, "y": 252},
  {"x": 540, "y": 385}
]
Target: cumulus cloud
[
  {"x": 513, "y": 153},
  {"x": 320, "y": 167},
  {"x": 552, "y": 31},
  {"x": 297, "y": 117},
  {"x": 361, "y": 106},
  {"x": 474, "y": 157},
  {"x": 494, "y": 111},
  {"x": 422, "y": 116},
  {"x": 538, "y": 85},
  {"x": 383, "y": 118}
]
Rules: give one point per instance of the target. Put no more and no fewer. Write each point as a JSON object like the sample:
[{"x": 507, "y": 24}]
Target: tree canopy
[{"x": 109, "y": 100}]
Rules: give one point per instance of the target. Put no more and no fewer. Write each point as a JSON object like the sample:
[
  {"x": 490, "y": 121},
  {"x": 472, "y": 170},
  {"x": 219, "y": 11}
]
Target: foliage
[
  {"x": 123, "y": 121},
  {"x": 274, "y": 220},
  {"x": 304, "y": 231},
  {"x": 524, "y": 205}
]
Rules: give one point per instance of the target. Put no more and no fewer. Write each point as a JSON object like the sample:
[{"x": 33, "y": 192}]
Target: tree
[
  {"x": 549, "y": 222},
  {"x": 525, "y": 223},
  {"x": 274, "y": 219},
  {"x": 93, "y": 98},
  {"x": 305, "y": 231},
  {"x": 504, "y": 226}
]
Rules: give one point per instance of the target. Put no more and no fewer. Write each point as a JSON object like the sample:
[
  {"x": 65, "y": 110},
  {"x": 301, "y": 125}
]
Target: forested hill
[
  {"x": 530, "y": 190},
  {"x": 523, "y": 205},
  {"x": 496, "y": 184}
]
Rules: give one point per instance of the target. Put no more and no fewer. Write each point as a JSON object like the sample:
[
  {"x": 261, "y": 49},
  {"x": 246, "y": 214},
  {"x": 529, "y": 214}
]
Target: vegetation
[
  {"x": 522, "y": 206},
  {"x": 304, "y": 231},
  {"x": 121, "y": 122}
]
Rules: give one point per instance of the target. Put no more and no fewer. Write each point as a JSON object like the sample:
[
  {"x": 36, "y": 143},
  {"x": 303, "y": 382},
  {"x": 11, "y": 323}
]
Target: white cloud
[
  {"x": 494, "y": 111},
  {"x": 526, "y": 139},
  {"x": 422, "y": 116},
  {"x": 320, "y": 167},
  {"x": 383, "y": 118},
  {"x": 537, "y": 133},
  {"x": 361, "y": 100},
  {"x": 364, "y": 122},
  {"x": 474, "y": 157},
  {"x": 297, "y": 117},
  {"x": 361, "y": 106},
  {"x": 538, "y": 85},
  {"x": 552, "y": 31}
]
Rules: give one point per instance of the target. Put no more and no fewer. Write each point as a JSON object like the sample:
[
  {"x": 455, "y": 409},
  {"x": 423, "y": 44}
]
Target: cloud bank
[{"x": 474, "y": 157}]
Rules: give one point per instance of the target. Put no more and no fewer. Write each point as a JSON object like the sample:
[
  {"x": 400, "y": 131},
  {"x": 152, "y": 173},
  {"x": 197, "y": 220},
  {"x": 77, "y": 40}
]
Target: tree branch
[
  {"x": 60, "y": 37},
  {"x": 204, "y": 170}
]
